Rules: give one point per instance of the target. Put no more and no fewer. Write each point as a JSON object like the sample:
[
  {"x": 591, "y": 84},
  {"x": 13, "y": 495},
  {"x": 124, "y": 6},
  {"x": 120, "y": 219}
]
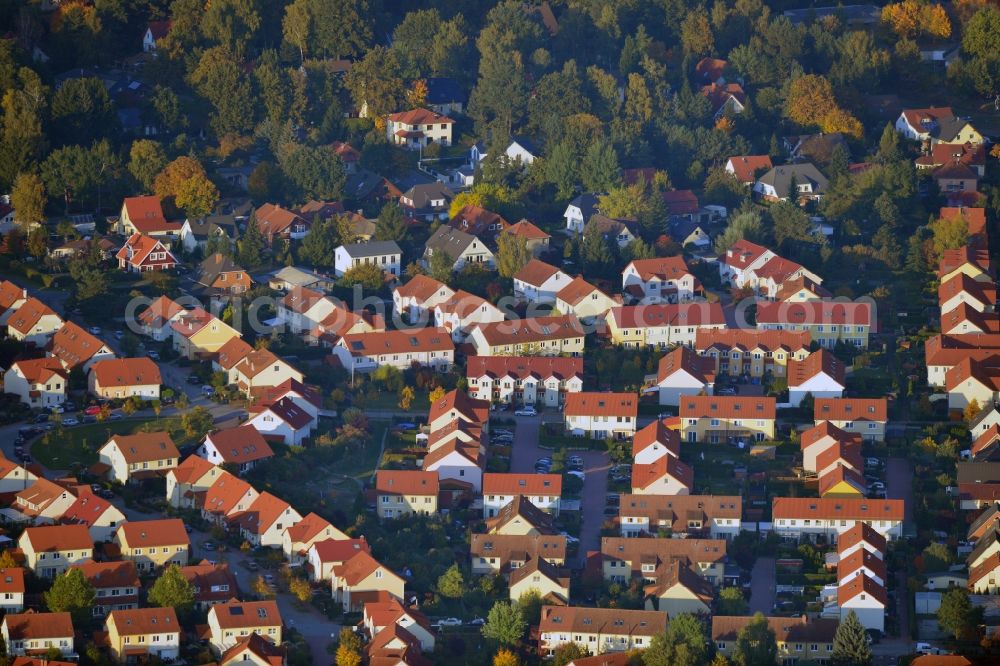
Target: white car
[
  {"x": 577, "y": 473},
  {"x": 70, "y": 421},
  {"x": 526, "y": 411},
  {"x": 208, "y": 390},
  {"x": 449, "y": 622},
  {"x": 95, "y": 330}
]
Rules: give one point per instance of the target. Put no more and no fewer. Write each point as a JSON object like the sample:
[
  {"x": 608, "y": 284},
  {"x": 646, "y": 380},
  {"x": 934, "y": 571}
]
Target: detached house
[
  {"x": 196, "y": 333},
  {"x": 539, "y": 282},
  {"x": 156, "y": 319},
  {"x": 138, "y": 456},
  {"x": 33, "y": 323},
  {"x": 142, "y": 254},
  {"x": 821, "y": 375},
  {"x": 386, "y": 255},
  {"x": 776, "y": 184},
  {"x": 153, "y": 544},
  {"x": 242, "y": 447},
  {"x": 479, "y": 222},
  {"x": 38, "y": 383},
  {"x": 361, "y": 579},
  {"x": 460, "y": 247},
  {"x": 143, "y": 633},
  {"x": 118, "y": 378},
  {"x": 418, "y": 128},
  {"x": 601, "y": 415},
  {"x": 579, "y": 211},
  {"x": 463, "y": 311},
  {"x": 227, "y": 496},
  {"x": 427, "y": 202},
  {"x": 620, "y": 231},
  {"x": 144, "y": 215},
  {"x": 277, "y": 222},
  {"x": 922, "y": 124},
  {"x": 402, "y": 492},
  {"x": 283, "y": 420},
  {"x": 37, "y": 633},
  {"x": 50, "y": 549},
  {"x": 717, "y": 419},
  {"x": 660, "y": 280},
  {"x": 261, "y": 369},
  {"x": 745, "y": 168},
  {"x": 536, "y": 240},
  {"x": 416, "y": 299},
  {"x": 325, "y": 554},
  {"x": 75, "y": 347},
  {"x": 218, "y": 275}
]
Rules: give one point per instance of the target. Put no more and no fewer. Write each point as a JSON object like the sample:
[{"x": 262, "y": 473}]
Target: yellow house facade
[{"x": 715, "y": 419}]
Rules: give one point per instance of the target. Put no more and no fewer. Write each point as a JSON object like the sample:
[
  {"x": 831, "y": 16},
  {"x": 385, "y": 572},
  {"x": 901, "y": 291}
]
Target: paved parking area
[
  {"x": 762, "y": 582},
  {"x": 526, "y": 451}
]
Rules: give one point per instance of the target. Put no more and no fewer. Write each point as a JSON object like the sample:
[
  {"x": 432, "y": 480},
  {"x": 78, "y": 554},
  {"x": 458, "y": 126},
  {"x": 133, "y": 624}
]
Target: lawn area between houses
[{"x": 63, "y": 447}]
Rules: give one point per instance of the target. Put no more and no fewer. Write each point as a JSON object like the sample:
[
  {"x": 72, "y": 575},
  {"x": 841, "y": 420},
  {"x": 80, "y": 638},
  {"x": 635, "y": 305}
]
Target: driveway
[
  {"x": 526, "y": 451},
  {"x": 762, "y": 582},
  {"x": 899, "y": 485}
]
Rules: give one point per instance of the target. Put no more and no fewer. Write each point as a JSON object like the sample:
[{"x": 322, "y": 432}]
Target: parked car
[
  {"x": 95, "y": 330},
  {"x": 577, "y": 473},
  {"x": 208, "y": 390},
  {"x": 406, "y": 426},
  {"x": 41, "y": 418},
  {"x": 526, "y": 411},
  {"x": 93, "y": 410},
  {"x": 153, "y": 354},
  {"x": 119, "y": 335},
  {"x": 477, "y": 622},
  {"x": 726, "y": 390},
  {"x": 116, "y": 416},
  {"x": 70, "y": 421},
  {"x": 208, "y": 545},
  {"x": 448, "y": 622}
]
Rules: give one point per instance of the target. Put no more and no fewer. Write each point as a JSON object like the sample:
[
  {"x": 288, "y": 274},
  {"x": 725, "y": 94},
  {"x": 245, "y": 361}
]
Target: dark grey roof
[
  {"x": 608, "y": 225},
  {"x": 372, "y": 248},
  {"x": 441, "y": 90},
  {"x": 587, "y": 203},
  {"x": 978, "y": 472},
  {"x": 780, "y": 177},
  {"x": 983, "y": 413},
  {"x": 421, "y": 195},
  {"x": 203, "y": 227},
  {"x": 452, "y": 242},
  {"x": 982, "y": 545},
  {"x": 214, "y": 265},
  {"x": 948, "y": 128}
]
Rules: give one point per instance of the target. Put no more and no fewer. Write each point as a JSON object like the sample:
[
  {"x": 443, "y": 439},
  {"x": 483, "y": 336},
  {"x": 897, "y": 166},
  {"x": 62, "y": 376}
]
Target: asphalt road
[
  {"x": 526, "y": 451},
  {"x": 762, "y": 586},
  {"x": 899, "y": 485}
]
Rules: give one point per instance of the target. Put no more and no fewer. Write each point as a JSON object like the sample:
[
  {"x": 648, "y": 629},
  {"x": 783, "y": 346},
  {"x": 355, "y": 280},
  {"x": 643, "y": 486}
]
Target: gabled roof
[
  {"x": 521, "y": 507},
  {"x": 25, "y": 626},
  {"x": 727, "y": 407},
  {"x": 749, "y": 339},
  {"x": 842, "y": 474},
  {"x": 523, "y": 228},
  {"x": 531, "y": 330},
  {"x": 257, "y": 361},
  {"x": 745, "y": 167},
  {"x": 657, "y": 433},
  {"x": 273, "y": 219},
  {"x": 798, "y": 629},
  {"x": 468, "y": 450},
  {"x": 826, "y": 429},
  {"x": 420, "y": 117},
  {"x": 138, "y": 247},
  {"x": 536, "y": 272},
  {"x": 240, "y": 445},
  {"x": 523, "y": 367},
  {"x": 377, "y": 343},
  {"x": 146, "y": 215},
  {"x": 684, "y": 359},
  {"x": 458, "y": 404},
  {"x": 273, "y": 394},
  {"x": 676, "y": 510},
  {"x": 231, "y": 353},
  {"x": 710, "y": 69},
  {"x": 965, "y": 255},
  {"x": 589, "y": 403},
  {"x": 860, "y": 586},
  {"x": 145, "y": 446},
  {"x": 778, "y": 269},
  {"x": 212, "y": 267},
  {"x": 406, "y": 482},
  {"x": 811, "y": 313},
  {"x": 113, "y": 372},
  {"x": 86, "y": 510},
  {"x": 265, "y": 651},
  {"x": 190, "y": 322},
  {"x": 576, "y": 291},
  {"x": 262, "y": 513},
  {"x": 819, "y": 362},
  {"x": 580, "y": 619},
  {"x": 222, "y": 496},
  {"x": 524, "y": 547},
  {"x": 340, "y": 550},
  {"x": 10, "y": 293},
  {"x": 859, "y": 533},
  {"x": 587, "y": 203},
  {"x": 12, "y": 580},
  {"x": 925, "y": 119},
  {"x": 987, "y": 567},
  {"x": 160, "y": 312},
  {"x": 510, "y": 483},
  {"x": 790, "y": 288},
  {"x": 780, "y": 178},
  {"x": 645, "y": 475},
  {"x": 421, "y": 287},
  {"x": 40, "y": 370},
  {"x": 742, "y": 253},
  {"x": 984, "y": 373},
  {"x": 74, "y": 346},
  {"x": 191, "y": 469},
  {"x": 26, "y": 316},
  {"x": 673, "y": 574},
  {"x": 857, "y": 559},
  {"x": 311, "y": 526},
  {"x": 247, "y": 614},
  {"x": 851, "y": 409},
  {"x": 153, "y": 533},
  {"x": 48, "y": 538},
  {"x": 961, "y": 283},
  {"x": 110, "y": 574},
  {"x": 662, "y": 268},
  {"x": 144, "y": 621},
  {"x": 357, "y": 568},
  {"x": 159, "y": 30},
  {"x": 837, "y": 508}
]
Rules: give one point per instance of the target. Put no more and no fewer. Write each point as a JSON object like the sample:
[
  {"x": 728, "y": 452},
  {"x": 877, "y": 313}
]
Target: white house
[
  {"x": 584, "y": 300},
  {"x": 459, "y": 462},
  {"x": 539, "y": 282},
  {"x": 866, "y": 598},
  {"x": 683, "y": 372},
  {"x": 384, "y": 254},
  {"x": 920, "y": 124},
  {"x": 364, "y": 352},
  {"x": 579, "y": 211},
  {"x": 418, "y": 128},
  {"x": 11, "y": 298},
  {"x": 415, "y": 299},
  {"x": 460, "y": 313},
  {"x": 461, "y": 248},
  {"x": 139, "y": 455},
  {"x": 38, "y": 383},
  {"x": 242, "y": 447},
  {"x": 283, "y": 419},
  {"x": 265, "y": 522},
  {"x": 542, "y": 490},
  {"x": 660, "y": 280},
  {"x": 601, "y": 415},
  {"x": 520, "y": 150},
  {"x": 33, "y": 323},
  {"x": 829, "y": 517},
  {"x": 666, "y": 475},
  {"x": 155, "y": 31},
  {"x": 526, "y": 380},
  {"x": 821, "y": 374}
]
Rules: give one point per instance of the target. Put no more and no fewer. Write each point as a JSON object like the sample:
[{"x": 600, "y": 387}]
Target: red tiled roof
[
  {"x": 681, "y": 202},
  {"x": 522, "y": 367},
  {"x": 663, "y": 268},
  {"x": 12, "y": 580},
  {"x": 702, "y": 368},
  {"x": 588, "y": 403},
  {"x": 535, "y": 272},
  {"x": 241, "y": 444},
  {"x": 146, "y": 214},
  {"x": 984, "y": 292},
  {"x": 644, "y": 475},
  {"x": 40, "y": 370},
  {"x": 138, "y": 247},
  {"x": 420, "y": 117},
  {"x": 839, "y": 508},
  {"x": 851, "y": 409},
  {"x": 727, "y": 407},
  {"x": 745, "y": 167},
  {"x": 858, "y": 533},
  {"x": 826, "y": 429},
  {"x": 59, "y": 537},
  {"x": 577, "y": 290},
  {"x": 525, "y": 229},
  {"x": 743, "y": 253},
  {"x": 421, "y": 287},
  {"x": 377, "y": 343},
  {"x": 109, "y": 574},
  {"x": 159, "y": 312},
  {"x": 153, "y": 533},
  {"x": 10, "y": 293},
  {"x": 273, "y": 219},
  {"x": 697, "y": 313},
  {"x": 859, "y": 585},
  {"x": 749, "y": 339},
  {"x": 406, "y": 482},
  {"x": 159, "y": 30},
  {"x": 657, "y": 432},
  {"x": 919, "y": 118},
  {"x": 74, "y": 346},
  {"x": 191, "y": 469},
  {"x": 815, "y": 312},
  {"x": 26, "y": 316},
  {"x": 842, "y": 474},
  {"x": 459, "y": 403},
  {"x": 116, "y": 372},
  {"x": 311, "y": 525},
  {"x": 25, "y": 626},
  {"x": 247, "y": 614},
  {"x": 86, "y": 510},
  {"x": 509, "y": 483},
  {"x": 340, "y": 550},
  {"x": 819, "y": 362}
]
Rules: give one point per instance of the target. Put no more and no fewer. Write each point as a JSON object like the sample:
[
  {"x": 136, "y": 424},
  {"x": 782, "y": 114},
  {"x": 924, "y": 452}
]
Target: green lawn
[
  {"x": 64, "y": 447},
  {"x": 388, "y": 400}
]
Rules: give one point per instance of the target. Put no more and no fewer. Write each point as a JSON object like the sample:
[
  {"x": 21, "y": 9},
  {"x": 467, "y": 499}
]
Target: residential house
[
  {"x": 737, "y": 266},
  {"x": 798, "y": 638},
  {"x": 230, "y": 623},
  {"x": 677, "y": 589},
  {"x": 348, "y": 154},
  {"x": 690, "y": 235},
  {"x": 283, "y": 421},
  {"x": 462, "y": 312},
  {"x": 984, "y": 578},
  {"x": 747, "y": 168},
  {"x": 726, "y": 99},
  {"x": 264, "y": 522},
  {"x": 521, "y": 517},
  {"x": 866, "y": 416},
  {"x": 200, "y": 233},
  {"x": 685, "y": 516},
  {"x": 500, "y": 488},
  {"x": 972, "y": 382},
  {"x": 39, "y": 383},
  {"x": 801, "y": 288},
  {"x": 524, "y": 380},
  {"x": 460, "y": 248},
  {"x": 277, "y": 222},
  {"x": 156, "y": 319},
  {"x": 99, "y": 515},
  {"x": 776, "y": 184},
  {"x": 415, "y": 299},
  {"x": 189, "y": 481},
  {"x": 418, "y": 128},
  {"x": 681, "y": 372},
  {"x": 12, "y": 297},
  {"x": 718, "y": 419},
  {"x": 196, "y": 333},
  {"x": 50, "y": 549},
  {"x": 531, "y": 336},
  {"x": 621, "y": 231},
  {"x": 821, "y": 375},
  {"x": 666, "y": 475},
  {"x": 601, "y": 415},
  {"x": 943, "y": 352},
  {"x": 942, "y": 154},
  {"x": 144, "y": 215},
  {"x": 583, "y": 300},
  {"x": 539, "y": 282},
  {"x": 539, "y": 577},
  {"x": 387, "y": 612},
  {"x": 142, "y": 254},
  {"x": 44, "y": 501},
  {"x": 521, "y": 149},
  {"x": 364, "y": 352},
  {"x": 290, "y": 277},
  {"x": 479, "y": 222},
  {"x": 682, "y": 206},
  {"x": 921, "y": 124},
  {"x": 866, "y": 598},
  {"x": 219, "y": 275},
  {"x": 76, "y": 348},
  {"x": 297, "y": 539},
  {"x": 710, "y": 70},
  {"x": 457, "y": 464},
  {"x": 324, "y": 555},
  {"x": 261, "y": 369},
  {"x": 966, "y": 319},
  {"x": 227, "y": 496},
  {"x": 242, "y": 447},
  {"x": 153, "y": 544},
  {"x": 536, "y": 240},
  {"x": 444, "y": 95},
  {"x": 986, "y": 446},
  {"x": 361, "y": 579},
  {"x": 492, "y": 554},
  {"x": 655, "y": 441},
  {"x": 860, "y": 562},
  {"x": 816, "y": 148},
  {"x": 33, "y": 323},
  {"x": 212, "y": 583},
  {"x": 828, "y": 322},
  {"x": 14, "y": 477},
  {"x": 662, "y": 325},
  {"x": 598, "y": 630},
  {"x": 116, "y": 585},
  {"x": 37, "y": 633},
  {"x": 302, "y": 308},
  {"x": 624, "y": 559},
  {"x": 861, "y": 537},
  {"x": 155, "y": 31},
  {"x": 12, "y": 590},
  {"x": 384, "y": 254},
  {"x": 842, "y": 481},
  {"x": 956, "y": 181},
  {"x": 305, "y": 397},
  {"x": 660, "y": 280},
  {"x": 970, "y": 260},
  {"x": 579, "y": 211},
  {"x": 143, "y": 633},
  {"x": 827, "y": 518},
  {"x": 770, "y": 279},
  {"x": 426, "y": 201},
  {"x": 120, "y": 378},
  {"x": 820, "y": 438},
  {"x": 400, "y": 493}
]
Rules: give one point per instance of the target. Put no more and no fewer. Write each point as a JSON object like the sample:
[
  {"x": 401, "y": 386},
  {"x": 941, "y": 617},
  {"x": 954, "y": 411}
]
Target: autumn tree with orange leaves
[
  {"x": 913, "y": 18},
  {"x": 811, "y": 104}
]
